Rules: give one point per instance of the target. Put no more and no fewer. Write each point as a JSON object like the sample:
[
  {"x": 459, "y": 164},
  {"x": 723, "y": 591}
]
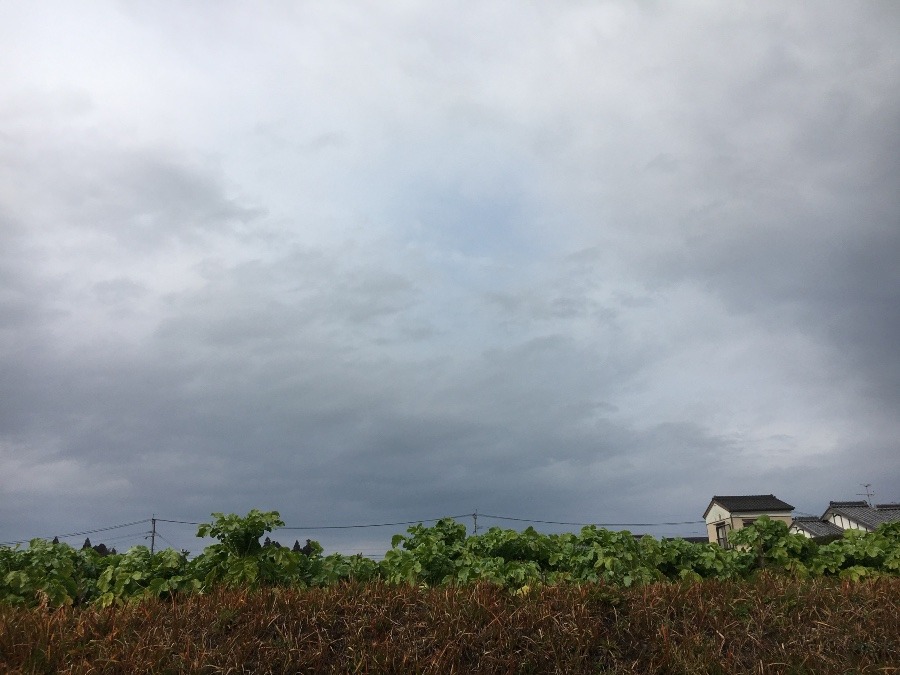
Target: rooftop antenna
[{"x": 868, "y": 494}]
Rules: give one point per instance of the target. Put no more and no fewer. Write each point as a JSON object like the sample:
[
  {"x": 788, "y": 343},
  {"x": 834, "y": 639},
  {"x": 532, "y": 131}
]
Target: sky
[{"x": 363, "y": 263}]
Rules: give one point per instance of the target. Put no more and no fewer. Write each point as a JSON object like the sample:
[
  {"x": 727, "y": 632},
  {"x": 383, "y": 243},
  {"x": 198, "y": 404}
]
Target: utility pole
[
  {"x": 868, "y": 494},
  {"x": 475, "y": 520},
  {"x": 152, "y": 534}
]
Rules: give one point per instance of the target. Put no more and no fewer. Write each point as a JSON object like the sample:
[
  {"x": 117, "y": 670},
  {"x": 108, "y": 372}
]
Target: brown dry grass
[{"x": 771, "y": 625}]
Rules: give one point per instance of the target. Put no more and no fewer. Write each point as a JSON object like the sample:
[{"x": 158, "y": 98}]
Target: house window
[
  {"x": 749, "y": 521},
  {"x": 722, "y": 535}
]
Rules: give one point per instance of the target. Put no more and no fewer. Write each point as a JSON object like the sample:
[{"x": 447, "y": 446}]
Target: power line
[
  {"x": 367, "y": 525},
  {"x": 130, "y": 535},
  {"x": 464, "y": 515},
  {"x": 560, "y": 522},
  {"x": 348, "y": 527},
  {"x": 78, "y": 534},
  {"x": 330, "y": 527},
  {"x": 165, "y": 539}
]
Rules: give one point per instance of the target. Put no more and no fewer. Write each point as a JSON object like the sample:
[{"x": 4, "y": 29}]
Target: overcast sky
[{"x": 365, "y": 262}]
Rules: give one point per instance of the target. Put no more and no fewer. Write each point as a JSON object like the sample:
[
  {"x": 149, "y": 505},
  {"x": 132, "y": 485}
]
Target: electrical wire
[
  {"x": 165, "y": 539},
  {"x": 560, "y": 522},
  {"x": 330, "y": 527},
  {"x": 366, "y": 525},
  {"x": 348, "y": 527},
  {"x": 135, "y": 535},
  {"x": 78, "y": 534}
]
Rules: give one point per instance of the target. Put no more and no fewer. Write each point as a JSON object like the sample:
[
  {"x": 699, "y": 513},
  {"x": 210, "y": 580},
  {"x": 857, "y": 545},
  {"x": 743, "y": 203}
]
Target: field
[
  {"x": 444, "y": 602},
  {"x": 769, "y": 625}
]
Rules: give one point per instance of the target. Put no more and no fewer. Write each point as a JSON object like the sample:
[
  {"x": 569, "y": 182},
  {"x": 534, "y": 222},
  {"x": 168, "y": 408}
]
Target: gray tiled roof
[
  {"x": 816, "y": 526},
  {"x": 749, "y": 503},
  {"x": 864, "y": 514}
]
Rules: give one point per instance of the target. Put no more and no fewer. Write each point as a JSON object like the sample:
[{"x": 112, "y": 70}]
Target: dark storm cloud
[
  {"x": 801, "y": 226},
  {"x": 367, "y": 266}
]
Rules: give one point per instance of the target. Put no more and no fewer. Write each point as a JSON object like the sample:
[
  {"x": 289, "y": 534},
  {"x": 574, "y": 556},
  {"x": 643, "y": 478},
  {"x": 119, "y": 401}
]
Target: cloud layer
[{"x": 589, "y": 262}]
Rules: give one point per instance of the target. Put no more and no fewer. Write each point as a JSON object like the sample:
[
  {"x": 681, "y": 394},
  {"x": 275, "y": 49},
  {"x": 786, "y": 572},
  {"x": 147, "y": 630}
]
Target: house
[
  {"x": 814, "y": 527},
  {"x": 861, "y": 516},
  {"x": 840, "y": 516},
  {"x": 734, "y": 512}
]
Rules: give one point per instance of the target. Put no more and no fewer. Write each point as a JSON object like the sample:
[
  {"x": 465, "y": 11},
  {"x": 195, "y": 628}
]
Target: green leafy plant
[
  {"x": 239, "y": 558},
  {"x": 239, "y": 536},
  {"x": 771, "y": 546},
  {"x": 43, "y": 571},
  {"x": 56, "y": 574}
]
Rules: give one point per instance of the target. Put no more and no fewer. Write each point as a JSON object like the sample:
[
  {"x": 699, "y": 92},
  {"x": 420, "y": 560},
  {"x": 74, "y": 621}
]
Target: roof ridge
[
  {"x": 741, "y": 496},
  {"x": 750, "y": 504}
]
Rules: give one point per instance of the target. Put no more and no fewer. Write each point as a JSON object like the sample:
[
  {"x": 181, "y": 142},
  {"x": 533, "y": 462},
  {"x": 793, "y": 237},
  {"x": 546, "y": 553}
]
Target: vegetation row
[{"x": 56, "y": 574}]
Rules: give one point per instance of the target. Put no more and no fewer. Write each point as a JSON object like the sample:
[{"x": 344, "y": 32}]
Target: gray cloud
[{"x": 588, "y": 262}]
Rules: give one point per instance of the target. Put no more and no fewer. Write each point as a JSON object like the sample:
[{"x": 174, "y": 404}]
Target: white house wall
[
  {"x": 717, "y": 514},
  {"x": 800, "y": 530},
  {"x": 846, "y": 523},
  {"x": 735, "y": 521}
]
